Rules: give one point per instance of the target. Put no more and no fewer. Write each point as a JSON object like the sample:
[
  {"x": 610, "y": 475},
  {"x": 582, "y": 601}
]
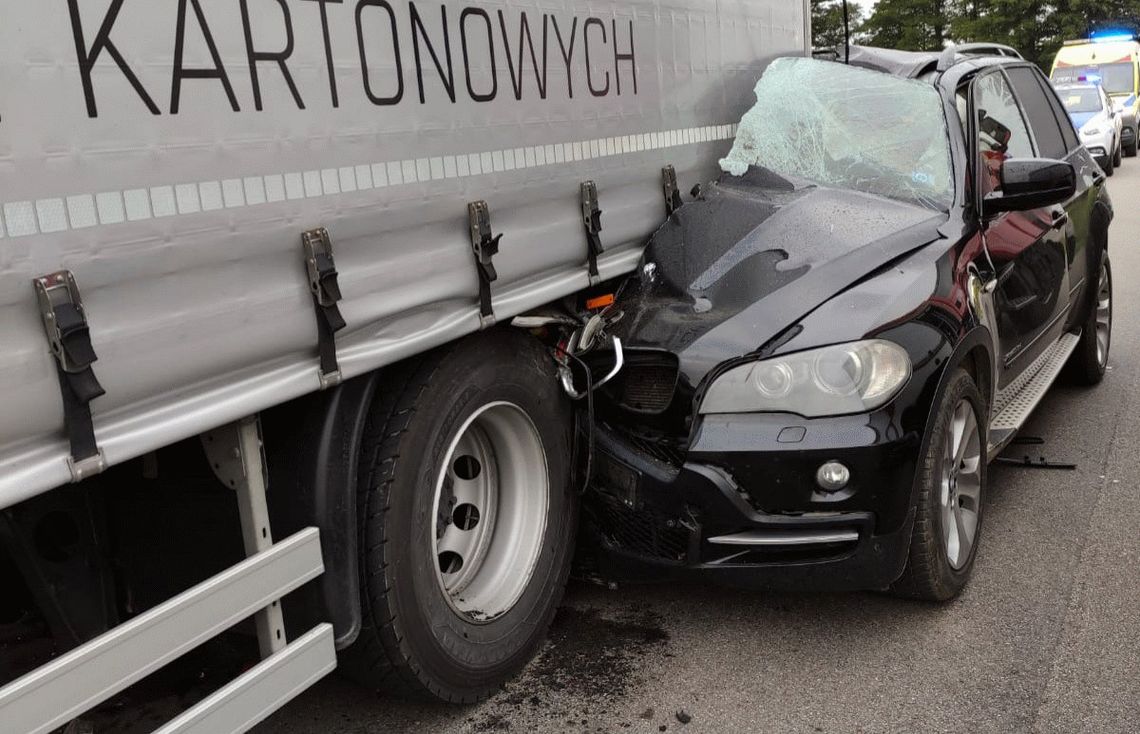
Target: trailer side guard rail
[{"x": 57, "y": 692}]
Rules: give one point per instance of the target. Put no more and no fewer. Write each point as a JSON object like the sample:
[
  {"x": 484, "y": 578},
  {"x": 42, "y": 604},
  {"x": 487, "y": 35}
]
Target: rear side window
[
  {"x": 1042, "y": 120},
  {"x": 1068, "y": 132}
]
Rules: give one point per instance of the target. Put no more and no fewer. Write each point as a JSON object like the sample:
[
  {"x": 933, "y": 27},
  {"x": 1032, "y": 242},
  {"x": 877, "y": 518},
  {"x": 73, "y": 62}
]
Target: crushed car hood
[{"x": 754, "y": 255}]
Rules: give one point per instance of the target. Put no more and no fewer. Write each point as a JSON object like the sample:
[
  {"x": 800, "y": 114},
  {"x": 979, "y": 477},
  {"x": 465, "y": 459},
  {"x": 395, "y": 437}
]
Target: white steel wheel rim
[
  {"x": 961, "y": 485},
  {"x": 1103, "y": 315},
  {"x": 492, "y": 496}
]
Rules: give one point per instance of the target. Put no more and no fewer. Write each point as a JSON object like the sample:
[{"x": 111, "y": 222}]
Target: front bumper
[
  {"x": 1128, "y": 131},
  {"x": 742, "y": 508}
]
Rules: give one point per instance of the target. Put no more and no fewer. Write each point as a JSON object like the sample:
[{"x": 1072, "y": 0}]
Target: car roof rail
[{"x": 950, "y": 55}]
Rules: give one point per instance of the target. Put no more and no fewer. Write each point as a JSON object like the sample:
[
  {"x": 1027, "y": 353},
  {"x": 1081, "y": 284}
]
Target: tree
[
  {"x": 827, "y": 22},
  {"x": 909, "y": 25},
  {"x": 1033, "y": 27},
  {"x": 1036, "y": 28}
]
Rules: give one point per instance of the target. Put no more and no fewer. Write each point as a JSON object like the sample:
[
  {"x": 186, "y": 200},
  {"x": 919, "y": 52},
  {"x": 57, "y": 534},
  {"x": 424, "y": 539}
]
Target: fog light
[{"x": 832, "y": 476}]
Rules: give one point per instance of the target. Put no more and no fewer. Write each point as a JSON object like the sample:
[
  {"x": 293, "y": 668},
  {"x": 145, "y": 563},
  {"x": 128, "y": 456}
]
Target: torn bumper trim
[{"x": 653, "y": 521}]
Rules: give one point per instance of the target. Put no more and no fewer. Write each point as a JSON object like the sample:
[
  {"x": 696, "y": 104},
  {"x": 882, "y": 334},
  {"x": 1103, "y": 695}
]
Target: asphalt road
[{"x": 1046, "y": 638}]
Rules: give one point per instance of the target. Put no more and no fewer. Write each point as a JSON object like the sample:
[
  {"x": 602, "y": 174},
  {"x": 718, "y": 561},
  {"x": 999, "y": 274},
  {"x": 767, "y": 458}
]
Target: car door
[
  {"x": 1090, "y": 181},
  {"x": 1030, "y": 250}
]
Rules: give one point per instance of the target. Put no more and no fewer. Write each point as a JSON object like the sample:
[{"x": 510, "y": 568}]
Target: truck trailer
[{"x": 283, "y": 293}]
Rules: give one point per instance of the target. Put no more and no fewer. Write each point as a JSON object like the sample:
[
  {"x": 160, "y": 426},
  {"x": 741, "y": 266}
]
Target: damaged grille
[
  {"x": 647, "y": 383},
  {"x": 645, "y": 532},
  {"x": 661, "y": 449}
]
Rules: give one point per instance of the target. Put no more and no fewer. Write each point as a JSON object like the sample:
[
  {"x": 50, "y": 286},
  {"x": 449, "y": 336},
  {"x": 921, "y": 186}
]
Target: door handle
[{"x": 1060, "y": 219}]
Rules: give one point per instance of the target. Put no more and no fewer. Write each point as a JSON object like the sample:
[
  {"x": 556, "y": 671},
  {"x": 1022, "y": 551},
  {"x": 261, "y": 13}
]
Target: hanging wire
[{"x": 589, "y": 473}]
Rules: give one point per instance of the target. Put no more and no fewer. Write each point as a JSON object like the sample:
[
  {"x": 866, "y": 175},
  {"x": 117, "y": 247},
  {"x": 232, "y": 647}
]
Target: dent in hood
[{"x": 727, "y": 273}]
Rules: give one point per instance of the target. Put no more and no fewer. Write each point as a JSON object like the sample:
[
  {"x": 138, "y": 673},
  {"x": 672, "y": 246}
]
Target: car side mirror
[{"x": 1031, "y": 183}]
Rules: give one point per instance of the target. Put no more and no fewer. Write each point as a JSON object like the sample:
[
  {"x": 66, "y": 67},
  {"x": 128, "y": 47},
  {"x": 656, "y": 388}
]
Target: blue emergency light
[{"x": 1112, "y": 37}]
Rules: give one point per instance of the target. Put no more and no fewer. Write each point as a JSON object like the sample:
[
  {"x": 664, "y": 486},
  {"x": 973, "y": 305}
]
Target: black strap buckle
[
  {"x": 325, "y": 288},
  {"x": 592, "y": 219},
  {"x": 673, "y": 200},
  {"x": 485, "y": 246},
  {"x": 65, "y": 324}
]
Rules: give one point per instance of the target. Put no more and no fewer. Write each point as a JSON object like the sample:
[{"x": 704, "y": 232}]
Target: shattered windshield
[{"x": 848, "y": 128}]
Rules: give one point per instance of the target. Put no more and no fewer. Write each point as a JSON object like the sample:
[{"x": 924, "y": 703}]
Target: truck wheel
[
  {"x": 952, "y": 481},
  {"x": 468, "y": 519},
  {"x": 1089, "y": 360}
]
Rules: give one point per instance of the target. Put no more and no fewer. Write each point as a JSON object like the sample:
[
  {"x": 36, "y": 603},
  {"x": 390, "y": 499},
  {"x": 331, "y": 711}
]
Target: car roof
[
  {"x": 909, "y": 64},
  {"x": 916, "y": 64}
]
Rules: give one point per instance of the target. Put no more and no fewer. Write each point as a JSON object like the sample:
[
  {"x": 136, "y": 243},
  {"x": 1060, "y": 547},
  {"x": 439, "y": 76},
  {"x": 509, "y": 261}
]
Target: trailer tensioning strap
[
  {"x": 484, "y": 245},
  {"x": 592, "y": 219},
  {"x": 325, "y": 288},
  {"x": 65, "y": 323}
]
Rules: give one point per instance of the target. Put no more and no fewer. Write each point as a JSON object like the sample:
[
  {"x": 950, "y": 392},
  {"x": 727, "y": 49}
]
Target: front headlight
[
  {"x": 837, "y": 380},
  {"x": 1094, "y": 130}
]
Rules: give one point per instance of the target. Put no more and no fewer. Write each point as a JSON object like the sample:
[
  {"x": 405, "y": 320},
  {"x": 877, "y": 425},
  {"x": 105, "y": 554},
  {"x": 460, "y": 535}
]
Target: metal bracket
[
  {"x": 323, "y": 285},
  {"x": 89, "y": 467},
  {"x": 53, "y": 291},
  {"x": 592, "y": 219},
  {"x": 319, "y": 263},
  {"x": 485, "y": 246},
  {"x": 673, "y": 200},
  {"x": 237, "y": 456}
]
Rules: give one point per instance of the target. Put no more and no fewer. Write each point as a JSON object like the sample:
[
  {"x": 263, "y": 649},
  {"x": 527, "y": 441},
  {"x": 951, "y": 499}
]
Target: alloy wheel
[
  {"x": 961, "y": 485},
  {"x": 1103, "y": 315}
]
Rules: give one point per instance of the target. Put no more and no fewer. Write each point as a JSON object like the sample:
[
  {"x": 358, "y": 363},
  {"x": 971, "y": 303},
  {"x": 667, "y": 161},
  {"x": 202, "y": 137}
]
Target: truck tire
[
  {"x": 468, "y": 518},
  {"x": 1089, "y": 360},
  {"x": 951, "y": 494}
]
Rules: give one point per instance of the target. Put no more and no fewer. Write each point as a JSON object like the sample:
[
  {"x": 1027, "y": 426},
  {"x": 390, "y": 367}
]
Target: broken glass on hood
[{"x": 847, "y": 128}]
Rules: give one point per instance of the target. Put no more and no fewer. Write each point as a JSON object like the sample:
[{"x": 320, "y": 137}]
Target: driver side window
[{"x": 1002, "y": 133}]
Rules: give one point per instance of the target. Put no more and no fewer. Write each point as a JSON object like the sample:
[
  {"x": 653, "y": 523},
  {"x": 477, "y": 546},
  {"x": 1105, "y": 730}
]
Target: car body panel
[{"x": 733, "y": 292}]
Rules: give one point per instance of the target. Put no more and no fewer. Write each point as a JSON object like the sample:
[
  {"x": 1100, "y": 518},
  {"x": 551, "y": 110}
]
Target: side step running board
[{"x": 1017, "y": 401}]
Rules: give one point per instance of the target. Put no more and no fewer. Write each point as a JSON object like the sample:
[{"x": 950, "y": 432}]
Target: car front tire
[
  {"x": 1089, "y": 360},
  {"x": 951, "y": 496}
]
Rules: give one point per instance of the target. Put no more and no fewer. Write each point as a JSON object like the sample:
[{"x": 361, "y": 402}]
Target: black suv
[{"x": 825, "y": 349}]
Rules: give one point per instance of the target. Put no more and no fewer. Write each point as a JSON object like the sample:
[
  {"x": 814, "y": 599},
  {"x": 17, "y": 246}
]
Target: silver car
[{"x": 1097, "y": 121}]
